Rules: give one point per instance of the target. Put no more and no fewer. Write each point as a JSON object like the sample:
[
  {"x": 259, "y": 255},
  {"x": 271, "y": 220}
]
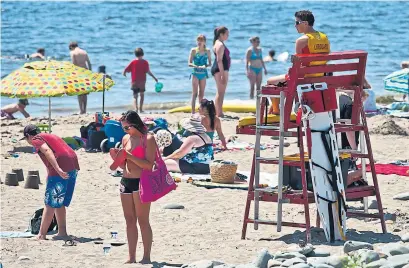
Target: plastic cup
[{"x": 106, "y": 247}]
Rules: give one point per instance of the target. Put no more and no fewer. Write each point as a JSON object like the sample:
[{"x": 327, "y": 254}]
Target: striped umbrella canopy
[
  {"x": 52, "y": 79},
  {"x": 398, "y": 81}
]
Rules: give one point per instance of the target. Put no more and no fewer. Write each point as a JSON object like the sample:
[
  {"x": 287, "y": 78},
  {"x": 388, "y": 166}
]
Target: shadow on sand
[
  {"x": 162, "y": 264},
  {"x": 318, "y": 237}
]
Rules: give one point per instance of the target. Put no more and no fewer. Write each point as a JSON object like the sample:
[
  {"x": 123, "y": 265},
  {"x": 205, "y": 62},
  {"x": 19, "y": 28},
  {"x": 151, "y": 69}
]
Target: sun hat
[{"x": 193, "y": 124}]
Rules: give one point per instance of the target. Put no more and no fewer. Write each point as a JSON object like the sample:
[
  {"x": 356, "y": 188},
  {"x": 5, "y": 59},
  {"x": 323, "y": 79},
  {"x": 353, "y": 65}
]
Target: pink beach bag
[{"x": 157, "y": 182}]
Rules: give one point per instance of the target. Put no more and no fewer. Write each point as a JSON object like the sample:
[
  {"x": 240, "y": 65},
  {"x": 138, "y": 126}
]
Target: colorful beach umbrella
[
  {"x": 398, "y": 81},
  {"x": 52, "y": 79}
]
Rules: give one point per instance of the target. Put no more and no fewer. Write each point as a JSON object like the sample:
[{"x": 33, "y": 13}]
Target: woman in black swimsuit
[{"x": 221, "y": 66}]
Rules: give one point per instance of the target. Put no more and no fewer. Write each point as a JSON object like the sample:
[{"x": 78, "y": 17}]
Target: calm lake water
[{"x": 110, "y": 31}]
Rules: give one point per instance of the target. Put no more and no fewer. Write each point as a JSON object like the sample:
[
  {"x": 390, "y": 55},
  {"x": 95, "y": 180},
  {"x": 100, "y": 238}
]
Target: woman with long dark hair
[
  {"x": 139, "y": 148},
  {"x": 221, "y": 66},
  {"x": 196, "y": 152},
  {"x": 211, "y": 121}
]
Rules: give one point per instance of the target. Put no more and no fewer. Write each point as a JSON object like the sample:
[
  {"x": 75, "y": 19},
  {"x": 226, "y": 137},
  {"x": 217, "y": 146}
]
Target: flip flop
[
  {"x": 69, "y": 243},
  {"x": 112, "y": 242}
]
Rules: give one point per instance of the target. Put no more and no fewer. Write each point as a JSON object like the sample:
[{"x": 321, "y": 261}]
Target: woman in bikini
[
  {"x": 210, "y": 121},
  {"x": 139, "y": 150},
  {"x": 221, "y": 66},
  {"x": 199, "y": 59},
  {"x": 255, "y": 65}
]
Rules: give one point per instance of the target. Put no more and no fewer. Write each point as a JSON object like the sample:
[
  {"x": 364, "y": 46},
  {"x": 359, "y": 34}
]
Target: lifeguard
[{"x": 311, "y": 42}]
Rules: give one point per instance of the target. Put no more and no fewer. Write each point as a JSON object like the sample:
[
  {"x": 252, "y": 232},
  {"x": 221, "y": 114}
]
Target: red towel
[{"x": 388, "y": 169}]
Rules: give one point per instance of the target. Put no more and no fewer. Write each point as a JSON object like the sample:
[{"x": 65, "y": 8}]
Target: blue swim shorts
[{"x": 59, "y": 191}]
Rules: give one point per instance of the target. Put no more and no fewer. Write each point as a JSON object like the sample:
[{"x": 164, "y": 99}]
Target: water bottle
[{"x": 106, "y": 247}]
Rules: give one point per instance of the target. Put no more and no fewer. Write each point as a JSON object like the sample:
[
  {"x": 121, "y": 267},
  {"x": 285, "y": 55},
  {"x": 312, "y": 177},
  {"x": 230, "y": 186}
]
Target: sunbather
[
  {"x": 210, "y": 121},
  {"x": 196, "y": 152}
]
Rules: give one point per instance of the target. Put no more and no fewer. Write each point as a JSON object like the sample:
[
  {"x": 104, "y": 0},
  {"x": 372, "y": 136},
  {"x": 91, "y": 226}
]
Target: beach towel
[
  {"x": 237, "y": 145},
  {"x": 11, "y": 234},
  {"x": 270, "y": 179},
  {"x": 389, "y": 169}
]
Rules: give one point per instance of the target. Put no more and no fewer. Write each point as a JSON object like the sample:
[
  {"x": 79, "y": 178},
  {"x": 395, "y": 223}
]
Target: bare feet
[
  {"x": 141, "y": 111},
  {"x": 145, "y": 261},
  {"x": 41, "y": 237},
  {"x": 62, "y": 237},
  {"x": 130, "y": 261}
]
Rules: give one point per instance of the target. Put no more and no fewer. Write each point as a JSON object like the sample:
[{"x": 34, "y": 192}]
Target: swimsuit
[
  {"x": 198, "y": 160},
  {"x": 226, "y": 61},
  {"x": 59, "y": 191},
  {"x": 210, "y": 134},
  {"x": 7, "y": 115},
  {"x": 256, "y": 70},
  {"x": 200, "y": 60},
  {"x": 254, "y": 56},
  {"x": 130, "y": 185}
]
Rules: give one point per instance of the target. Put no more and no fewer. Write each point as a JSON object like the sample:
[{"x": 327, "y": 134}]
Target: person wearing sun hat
[
  {"x": 196, "y": 152},
  {"x": 62, "y": 167}
]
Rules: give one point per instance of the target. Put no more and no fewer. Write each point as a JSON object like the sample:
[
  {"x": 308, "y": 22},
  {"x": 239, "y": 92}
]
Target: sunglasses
[
  {"x": 298, "y": 22},
  {"x": 126, "y": 128}
]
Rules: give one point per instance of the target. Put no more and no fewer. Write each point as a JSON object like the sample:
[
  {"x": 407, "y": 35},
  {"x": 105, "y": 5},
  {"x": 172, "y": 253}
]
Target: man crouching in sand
[{"x": 62, "y": 166}]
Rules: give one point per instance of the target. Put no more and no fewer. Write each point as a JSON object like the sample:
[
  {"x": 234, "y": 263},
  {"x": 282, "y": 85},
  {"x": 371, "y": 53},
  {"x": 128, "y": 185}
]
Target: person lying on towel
[{"x": 196, "y": 152}]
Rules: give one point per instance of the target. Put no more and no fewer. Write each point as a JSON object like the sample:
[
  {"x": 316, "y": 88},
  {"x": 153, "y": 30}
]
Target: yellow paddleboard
[
  {"x": 271, "y": 118},
  {"x": 236, "y": 107}
]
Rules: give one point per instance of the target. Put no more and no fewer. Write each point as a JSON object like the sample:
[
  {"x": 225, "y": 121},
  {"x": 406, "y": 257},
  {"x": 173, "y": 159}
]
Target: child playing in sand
[
  {"x": 138, "y": 69},
  {"x": 8, "y": 110}
]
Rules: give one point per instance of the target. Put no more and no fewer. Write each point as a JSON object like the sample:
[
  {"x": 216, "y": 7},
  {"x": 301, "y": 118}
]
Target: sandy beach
[{"x": 209, "y": 227}]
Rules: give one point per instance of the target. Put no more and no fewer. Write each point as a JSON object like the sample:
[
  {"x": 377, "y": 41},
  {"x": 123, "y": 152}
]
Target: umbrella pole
[
  {"x": 49, "y": 114},
  {"x": 103, "y": 94}
]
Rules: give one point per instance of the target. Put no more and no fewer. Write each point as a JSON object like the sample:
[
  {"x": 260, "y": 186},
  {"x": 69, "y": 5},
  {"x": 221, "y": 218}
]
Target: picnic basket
[{"x": 223, "y": 171}]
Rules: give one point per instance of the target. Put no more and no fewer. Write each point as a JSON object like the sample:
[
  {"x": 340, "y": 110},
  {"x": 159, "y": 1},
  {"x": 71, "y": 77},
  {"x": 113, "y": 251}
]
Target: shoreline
[{"x": 149, "y": 108}]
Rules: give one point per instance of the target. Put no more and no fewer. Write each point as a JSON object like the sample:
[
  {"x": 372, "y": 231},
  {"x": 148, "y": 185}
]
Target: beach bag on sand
[
  {"x": 157, "y": 182},
  {"x": 35, "y": 222}
]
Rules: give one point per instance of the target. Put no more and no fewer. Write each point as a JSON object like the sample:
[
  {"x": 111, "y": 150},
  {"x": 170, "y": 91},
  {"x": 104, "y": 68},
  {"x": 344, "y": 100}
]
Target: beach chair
[{"x": 348, "y": 73}]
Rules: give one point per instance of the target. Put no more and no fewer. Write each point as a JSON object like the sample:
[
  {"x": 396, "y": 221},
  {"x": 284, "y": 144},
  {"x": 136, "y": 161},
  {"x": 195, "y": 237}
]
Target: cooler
[{"x": 292, "y": 174}]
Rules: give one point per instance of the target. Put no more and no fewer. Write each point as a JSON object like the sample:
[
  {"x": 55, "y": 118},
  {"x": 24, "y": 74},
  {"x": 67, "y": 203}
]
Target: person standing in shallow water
[
  {"x": 199, "y": 59},
  {"x": 221, "y": 66},
  {"x": 138, "y": 68},
  {"x": 80, "y": 58},
  {"x": 255, "y": 65}
]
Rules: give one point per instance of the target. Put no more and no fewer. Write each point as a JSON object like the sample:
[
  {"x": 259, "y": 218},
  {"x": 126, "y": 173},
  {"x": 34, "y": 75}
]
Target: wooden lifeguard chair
[{"x": 348, "y": 74}]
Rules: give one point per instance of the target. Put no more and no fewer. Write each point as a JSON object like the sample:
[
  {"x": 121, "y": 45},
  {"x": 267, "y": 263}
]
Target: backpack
[
  {"x": 91, "y": 126},
  {"x": 35, "y": 222}
]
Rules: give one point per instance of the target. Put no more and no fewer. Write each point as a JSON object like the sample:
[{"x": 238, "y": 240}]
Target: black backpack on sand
[{"x": 35, "y": 222}]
